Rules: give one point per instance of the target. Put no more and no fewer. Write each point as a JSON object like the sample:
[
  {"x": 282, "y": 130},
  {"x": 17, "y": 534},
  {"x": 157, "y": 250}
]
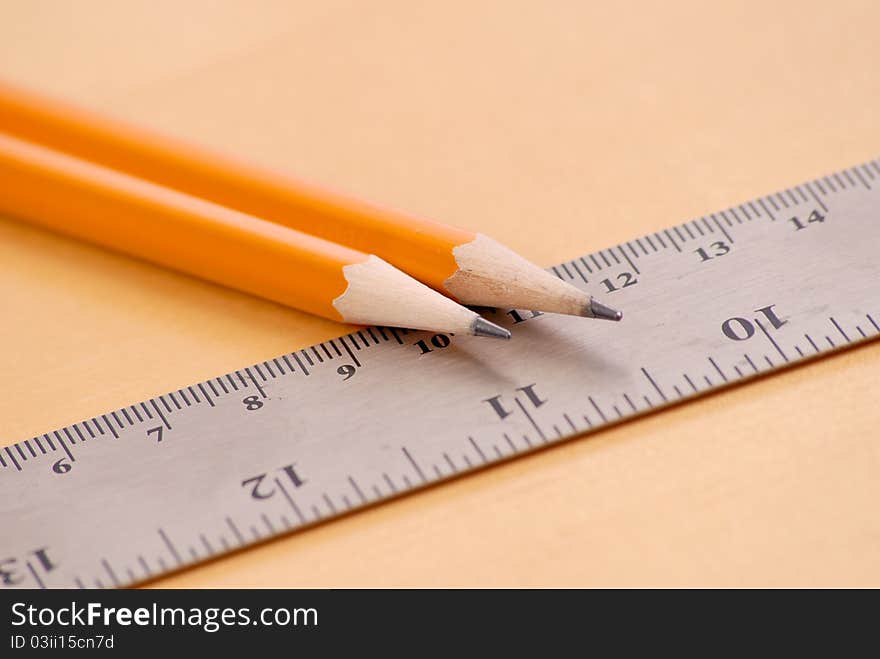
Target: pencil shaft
[
  {"x": 174, "y": 230},
  {"x": 420, "y": 247},
  {"x": 185, "y": 233}
]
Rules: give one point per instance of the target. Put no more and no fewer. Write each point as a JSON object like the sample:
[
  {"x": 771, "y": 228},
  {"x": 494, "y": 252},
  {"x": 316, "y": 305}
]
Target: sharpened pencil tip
[
  {"x": 596, "y": 309},
  {"x": 483, "y": 327}
]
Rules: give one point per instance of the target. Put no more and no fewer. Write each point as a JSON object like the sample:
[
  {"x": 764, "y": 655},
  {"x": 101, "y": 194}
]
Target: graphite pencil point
[
  {"x": 483, "y": 327},
  {"x": 596, "y": 309}
]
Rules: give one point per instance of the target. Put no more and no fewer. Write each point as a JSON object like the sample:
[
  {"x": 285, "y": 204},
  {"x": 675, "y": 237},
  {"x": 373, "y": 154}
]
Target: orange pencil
[
  {"x": 469, "y": 267},
  {"x": 179, "y": 231}
]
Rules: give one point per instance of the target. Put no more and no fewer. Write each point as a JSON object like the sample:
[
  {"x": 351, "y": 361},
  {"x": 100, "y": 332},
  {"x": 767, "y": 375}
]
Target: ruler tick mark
[
  {"x": 256, "y": 384},
  {"x": 861, "y": 178},
  {"x": 207, "y": 397},
  {"x": 110, "y": 572},
  {"x": 12, "y": 458},
  {"x": 414, "y": 464},
  {"x": 64, "y": 446},
  {"x": 329, "y": 503},
  {"x": 299, "y": 362},
  {"x": 812, "y": 343},
  {"x": 580, "y": 274},
  {"x": 632, "y": 249},
  {"x": 357, "y": 489},
  {"x": 390, "y": 483},
  {"x": 170, "y": 546},
  {"x": 35, "y": 575},
  {"x": 839, "y": 329},
  {"x": 629, "y": 261},
  {"x": 206, "y": 544},
  {"x": 721, "y": 228},
  {"x": 110, "y": 426},
  {"x": 348, "y": 350},
  {"x": 674, "y": 244},
  {"x": 161, "y": 416},
  {"x": 751, "y": 363},
  {"x": 654, "y": 384},
  {"x": 290, "y": 500},
  {"x": 690, "y": 382},
  {"x": 766, "y": 210},
  {"x": 770, "y": 338},
  {"x": 396, "y": 336},
  {"x": 235, "y": 530},
  {"x": 531, "y": 420},
  {"x": 712, "y": 361},
  {"x": 813, "y": 194},
  {"x": 598, "y": 411},
  {"x": 477, "y": 449}
]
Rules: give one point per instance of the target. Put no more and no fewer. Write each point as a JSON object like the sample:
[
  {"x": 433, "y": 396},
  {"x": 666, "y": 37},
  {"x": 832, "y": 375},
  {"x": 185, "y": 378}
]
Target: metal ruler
[{"x": 280, "y": 445}]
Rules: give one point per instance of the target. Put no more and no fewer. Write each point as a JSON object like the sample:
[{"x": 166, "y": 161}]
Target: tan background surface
[{"x": 559, "y": 128}]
